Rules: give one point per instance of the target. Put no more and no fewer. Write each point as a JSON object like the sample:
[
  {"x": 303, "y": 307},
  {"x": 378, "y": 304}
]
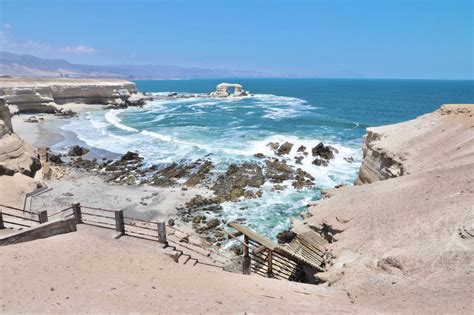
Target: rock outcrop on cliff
[
  {"x": 394, "y": 150},
  {"x": 42, "y": 95},
  {"x": 18, "y": 162},
  {"x": 408, "y": 239},
  {"x": 377, "y": 163},
  {"x": 16, "y": 156}
]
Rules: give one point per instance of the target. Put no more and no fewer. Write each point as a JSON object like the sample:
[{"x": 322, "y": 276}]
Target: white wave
[
  {"x": 111, "y": 117},
  {"x": 157, "y": 136},
  {"x": 98, "y": 124},
  {"x": 279, "y": 107},
  {"x": 338, "y": 171},
  {"x": 159, "y": 118},
  {"x": 167, "y": 138},
  {"x": 203, "y": 104}
]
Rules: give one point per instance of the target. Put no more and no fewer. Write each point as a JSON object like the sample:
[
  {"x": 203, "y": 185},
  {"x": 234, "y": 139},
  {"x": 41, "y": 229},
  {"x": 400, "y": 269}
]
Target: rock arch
[{"x": 222, "y": 90}]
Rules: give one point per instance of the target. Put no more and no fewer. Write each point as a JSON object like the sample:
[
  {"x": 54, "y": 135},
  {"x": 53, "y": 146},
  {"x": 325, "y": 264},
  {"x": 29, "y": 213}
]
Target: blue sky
[{"x": 327, "y": 38}]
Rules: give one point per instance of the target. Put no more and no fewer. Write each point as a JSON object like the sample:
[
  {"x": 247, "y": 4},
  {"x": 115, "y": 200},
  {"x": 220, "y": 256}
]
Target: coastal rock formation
[
  {"x": 77, "y": 150},
  {"x": 234, "y": 183},
  {"x": 401, "y": 239},
  {"x": 43, "y": 95},
  {"x": 18, "y": 162},
  {"x": 222, "y": 90},
  {"x": 16, "y": 156},
  {"x": 377, "y": 164}
]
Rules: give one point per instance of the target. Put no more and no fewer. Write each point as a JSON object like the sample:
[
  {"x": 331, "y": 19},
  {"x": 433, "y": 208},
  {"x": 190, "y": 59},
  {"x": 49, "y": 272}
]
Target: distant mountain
[{"x": 30, "y": 66}]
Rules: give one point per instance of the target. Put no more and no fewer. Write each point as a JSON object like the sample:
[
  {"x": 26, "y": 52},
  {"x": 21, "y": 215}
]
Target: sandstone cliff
[
  {"x": 18, "y": 163},
  {"x": 42, "y": 95},
  {"x": 395, "y": 150},
  {"x": 406, "y": 241}
]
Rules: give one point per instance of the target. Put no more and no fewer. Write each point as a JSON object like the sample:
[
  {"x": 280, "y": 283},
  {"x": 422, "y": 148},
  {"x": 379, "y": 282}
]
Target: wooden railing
[
  {"x": 20, "y": 218},
  {"x": 105, "y": 218},
  {"x": 294, "y": 261}
]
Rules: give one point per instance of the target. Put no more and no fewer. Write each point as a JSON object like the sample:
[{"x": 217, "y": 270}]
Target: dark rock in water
[
  {"x": 299, "y": 159},
  {"x": 320, "y": 162},
  {"x": 302, "y": 179},
  {"x": 213, "y": 223},
  {"x": 198, "y": 219},
  {"x": 55, "y": 158},
  {"x": 76, "y": 150},
  {"x": 277, "y": 188},
  {"x": 65, "y": 113},
  {"x": 333, "y": 149},
  {"x": 323, "y": 151},
  {"x": 278, "y": 171},
  {"x": 171, "y": 222},
  {"x": 203, "y": 204},
  {"x": 232, "y": 185},
  {"x": 202, "y": 229},
  {"x": 302, "y": 148},
  {"x": 349, "y": 159},
  {"x": 273, "y": 145},
  {"x": 130, "y": 156},
  {"x": 172, "y": 94},
  {"x": 85, "y": 164},
  {"x": 199, "y": 176},
  {"x": 285, "y": 236},
  {"x": 259, "y": 155},
  {"x": 285, "y": 148},
  {"x": 175, "y": 170},
  {"x": 252, "y": 195}
]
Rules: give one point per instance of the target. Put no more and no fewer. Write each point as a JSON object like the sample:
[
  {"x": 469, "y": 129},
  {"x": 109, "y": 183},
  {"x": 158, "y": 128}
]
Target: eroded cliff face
[
  {"x": 393, "y": 239},
  {"x": 377, "y": 163},
  {"x": 16, "y": 156},
  {"x": 42, "y": 95}
]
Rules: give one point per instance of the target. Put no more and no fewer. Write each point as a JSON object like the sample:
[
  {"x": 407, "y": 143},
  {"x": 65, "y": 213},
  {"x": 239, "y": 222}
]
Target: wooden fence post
[
  {"x": 76, "y": 208},
  {"x": 246, "y": 263},
  {"x": 270, "y": 264},
  {"x": 43, "y": 216},
  {"x": 161, "y": 227},
  {"x": 2, "y": 226},
  {"x": 119, "y": 222}
]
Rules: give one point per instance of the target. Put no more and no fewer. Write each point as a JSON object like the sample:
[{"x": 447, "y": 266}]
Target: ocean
[{"x": 231, "y": 130}]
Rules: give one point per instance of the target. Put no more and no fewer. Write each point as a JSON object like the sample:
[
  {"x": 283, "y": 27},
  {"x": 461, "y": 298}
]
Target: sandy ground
[
  {"x": 89, "y": 272},
  {"x": 13, "y": 189},
  {"x": 143, "y": 202}
]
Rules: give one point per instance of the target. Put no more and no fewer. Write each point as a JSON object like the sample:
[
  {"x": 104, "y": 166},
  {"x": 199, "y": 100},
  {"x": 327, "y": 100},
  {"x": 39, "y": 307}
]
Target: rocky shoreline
[
  {"x": 277, "y": 170},
  {"x": 203, "y": 213}
]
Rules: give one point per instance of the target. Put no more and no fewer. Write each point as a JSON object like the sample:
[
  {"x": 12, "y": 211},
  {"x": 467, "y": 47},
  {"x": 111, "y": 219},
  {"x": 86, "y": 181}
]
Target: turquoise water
[{"x": 301, "y": 111}]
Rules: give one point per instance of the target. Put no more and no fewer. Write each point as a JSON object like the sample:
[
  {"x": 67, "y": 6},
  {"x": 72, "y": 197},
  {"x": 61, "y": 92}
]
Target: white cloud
[
  {"x": 7, "y": 26},
  {"x": 78, "y": 49}
]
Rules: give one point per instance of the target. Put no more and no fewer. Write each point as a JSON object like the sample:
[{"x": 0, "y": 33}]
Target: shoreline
[
  {"x": 400, "y": 240},
  {"x": 198, "y": 207}
]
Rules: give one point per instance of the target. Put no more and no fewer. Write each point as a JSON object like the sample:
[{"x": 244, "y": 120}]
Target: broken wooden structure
[{"x": 295, "y": 261}]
